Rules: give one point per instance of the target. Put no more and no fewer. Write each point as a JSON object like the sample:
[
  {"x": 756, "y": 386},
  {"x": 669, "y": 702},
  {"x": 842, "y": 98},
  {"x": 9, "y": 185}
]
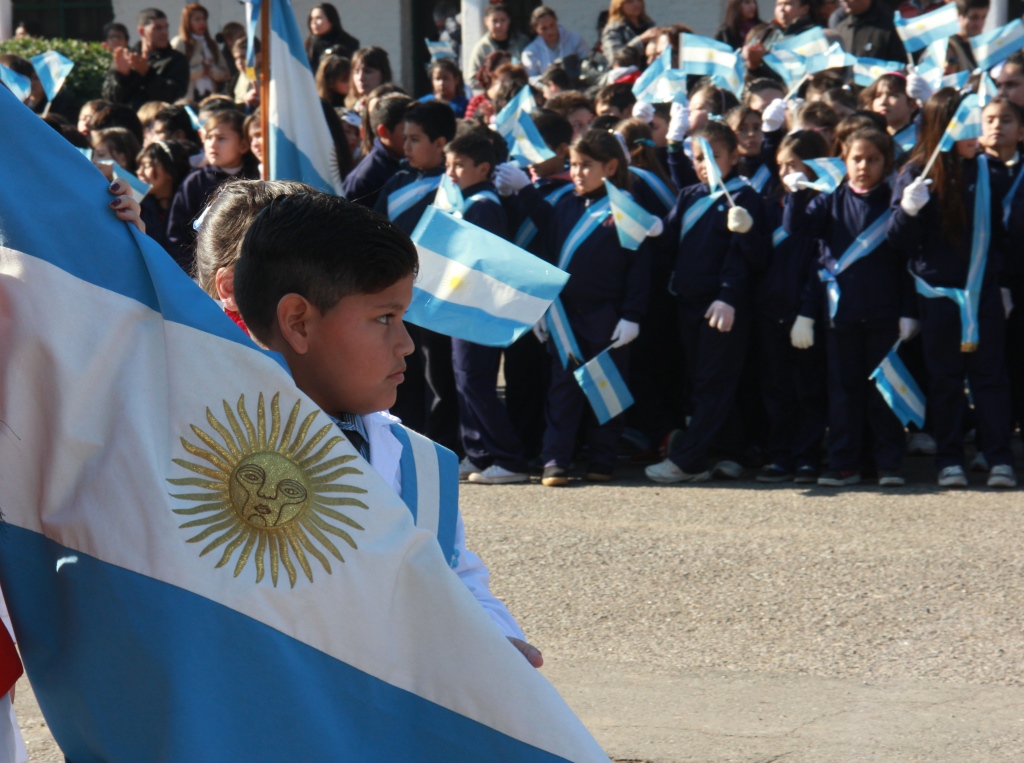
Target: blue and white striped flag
[
  {"x": 449, "y": 197},
  {"x": 197, "y": 123},
  {"x": 562, "y": 337},
  {"x": 633, "y": 223},
  {"x": 833, "y": 58},
  {"x": 711, "y": 58},
  {"x": 183, "y": 644},
  {"x": 830, "y": 172},
  {"x": 710, "y": 165},
  {"x": 643, "y": 88},
  {"x": 991, "y": 48},
  {"x": 139, "y": 189},
  {"x": 252, "y": 23},
  {"x": 439, "y": 49},
  {"x": 525, "y": 144},
  {"x": 522, "y": 102},
  {"x": 300, "y": 144},
  {"x": 788, "y": 65},
  {"x": 899, "y": 389},
  {"x": 935, "y": 52},
  {"x": 601, "y": 382},
  {"x": 18, "y": 84},
  {"x": 810, "y": 43},
  {"x": 921, "y": 31},
  {"x": 867, "y": 70},
  {"x": 476, "y": 286},
  {"x": 52, "y": 69},
  {"x": 670, "y": 88},
  {"x": 965, "y": 124},
  {"x": 987, "y": 90}
]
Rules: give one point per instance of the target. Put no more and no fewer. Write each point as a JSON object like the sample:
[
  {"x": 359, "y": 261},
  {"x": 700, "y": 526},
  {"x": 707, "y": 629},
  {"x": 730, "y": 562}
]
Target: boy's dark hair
[
  {"x": 618, "y": 95},
  {"x": 435, "y": 118},
  {"x": 114, "y": 26},
  {"x": 389, "y": 111},
  {"x": 556, "y": 75},
  {"x": 817, "y": 114},
  {"x": 553, "y": 128},
  {"x": 568, "y": 102},
  {"x": 604, "y": 122},
  {"x": 18, "y": 64},
  {"x": 840, "y": 96},
  {"x": 474, "y": 146},
  {"x": 963, "y": 6},
  {"x": 117, "y": 115},
  {"x": 495, "y": 8},
  {"x": 175, "y": 118},
  {"x": 479, "y": 127},
  {"x": 292, "y": 247},
  {"x": 761, "y": 84},
  {"x": 149, "y": 15},
  {"x": 720, "y": 132}
]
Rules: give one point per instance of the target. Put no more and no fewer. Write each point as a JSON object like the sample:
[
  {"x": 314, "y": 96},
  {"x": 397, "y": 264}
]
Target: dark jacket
[
  {"x": 364, "y": 183},
  {"x": 167, "y": 80},
  {"x": 779, "y": 290},
  {"x": 409, "y": 218},
  {"x": 617, "y": 35},
  {"x": 486, "y": 213},
  {"x": 872, "y": 34},
  {"x": 337, "y": 41},
  {"x": 155, "y": 217}
]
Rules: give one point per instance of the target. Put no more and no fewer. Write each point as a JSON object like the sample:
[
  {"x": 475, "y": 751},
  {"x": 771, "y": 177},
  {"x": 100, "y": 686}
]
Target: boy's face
[
  {"x": 464, "y": 172},
  {"x": 972, "y": 24},
  {"x": 422, "y": 153},
  {"x": 350, "y": 359},
  {"x": 1011, "y": 83}
]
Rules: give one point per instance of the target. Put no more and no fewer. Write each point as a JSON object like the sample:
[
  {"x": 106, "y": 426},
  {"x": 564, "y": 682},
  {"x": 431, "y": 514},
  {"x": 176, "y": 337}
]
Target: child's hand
[
  {"x": 643, "y": 111},
  {"x": 125, "y": 207},
  {"x": 774, "y": 115},
  {"x": 801, "y": 335},
  {"x": 917, "y": 86},
  {"x": 794, "y": 181},
  {"x": 509, "y": 179},
  {"x": 721, "y": 315},
  {"x": 1007, "y": 297},
  {"x": 739, "y": 220},
  {"x": 909, "y": 328},
  {"x": 625, "y": 332},
  {"x": 123, "y": 61},
  {"x": 915, "y": 197},
  {"x": 531, "y": 653},
  {"x": 678, "y": 123}
]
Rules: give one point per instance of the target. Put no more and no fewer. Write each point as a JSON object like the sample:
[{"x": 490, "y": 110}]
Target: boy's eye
[{"x": 385, "y": 319}]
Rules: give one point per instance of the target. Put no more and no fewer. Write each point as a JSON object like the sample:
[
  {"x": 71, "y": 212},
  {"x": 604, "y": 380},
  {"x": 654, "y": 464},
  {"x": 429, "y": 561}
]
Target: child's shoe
[
  {"x": 666, "y": 472},
  {"x": 466, "y": 468},
  {"x": 805, "y": 475},
  {"x": 979, "y": 463},
  {"x": 921, "y": 444},
  {"x": 890, "y": 479},
  {"x": 839, "y": 478},
  {"x": 952, "y": 476},
  {"x": 554, "y": 476},
  {"x": 773, "y": 473},
  {"x": 599, "y": 473},
  {"x": 1002, "y": 475},
  {"x": 728, "y": 470},
  {"x": 497, "y": 475}
]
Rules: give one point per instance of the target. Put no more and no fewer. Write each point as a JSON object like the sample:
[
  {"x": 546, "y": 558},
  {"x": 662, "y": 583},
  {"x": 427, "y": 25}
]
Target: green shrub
[{"x": 91, "y": 62}]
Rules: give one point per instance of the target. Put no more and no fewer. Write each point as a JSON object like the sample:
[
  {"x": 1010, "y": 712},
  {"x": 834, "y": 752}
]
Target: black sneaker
[
  {"x": 599, "y": 473},
  {"x": 806, "y": 475},
  {"x": 839, "y": 478},
  {"x": 554, "y": 476},
  {"x": 773, "y": 473}
]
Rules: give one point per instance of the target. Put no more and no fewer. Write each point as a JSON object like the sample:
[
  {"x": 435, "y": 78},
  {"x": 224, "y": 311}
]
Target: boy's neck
[
  {"x": 434, "y": 169},
  {"x": 1005, "y": 154}
]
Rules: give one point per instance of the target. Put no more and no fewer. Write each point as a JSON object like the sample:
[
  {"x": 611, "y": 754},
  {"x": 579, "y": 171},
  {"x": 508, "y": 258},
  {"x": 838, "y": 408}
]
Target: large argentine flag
[
  {"x": 300, "y": 143},
  {"x": 476, "y": 286},
  {"x": 221, "y": 624}
]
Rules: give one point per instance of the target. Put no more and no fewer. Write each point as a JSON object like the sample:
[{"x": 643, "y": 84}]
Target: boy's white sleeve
[{"x": 474, "y": 574}]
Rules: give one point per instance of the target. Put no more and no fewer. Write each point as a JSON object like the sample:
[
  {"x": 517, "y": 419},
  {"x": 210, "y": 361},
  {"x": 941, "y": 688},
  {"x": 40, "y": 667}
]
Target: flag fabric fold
[
  {"x": 439, "y": 49},
  {"x": 476, "y": 286},
  {"x": 52, "y": 69},
  {"x": 601, "y": 382},
  {"x": 965, "y": 124},
  {"x": 899, "y": 389},
  {"x": 867, "y": 70},
  {"x": 921, "y": 31},
  {"x": 449, "y": 197},
  {"x": 151, "y": 633},
  {"x": 18, "y": 84},
  {"x": 995, "y": 46},
  {"x": 711, "y": 58},
  {"x": 833, "y": 58},
  {"x": 643, "y": 88},
  {"x": 830, "y": 172},
  {"x": 300, "y": 143},
  {"x": 810, "y": 43},
  {"x": 633, "y": 223},
  {"x": 525, "y": 144}
]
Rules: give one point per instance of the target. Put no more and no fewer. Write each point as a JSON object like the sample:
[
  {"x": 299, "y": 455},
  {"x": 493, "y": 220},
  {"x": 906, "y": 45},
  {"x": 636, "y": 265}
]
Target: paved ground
[{"x": 733, "y": 622}]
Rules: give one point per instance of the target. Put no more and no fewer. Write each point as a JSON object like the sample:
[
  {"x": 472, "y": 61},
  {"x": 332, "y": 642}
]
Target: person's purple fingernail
[
  {"x": 115, "y": 203},
  {"x": 115, "y": 186}
]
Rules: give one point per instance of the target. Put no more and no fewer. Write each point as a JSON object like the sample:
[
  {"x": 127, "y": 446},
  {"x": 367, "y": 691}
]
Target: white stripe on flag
[
  {"x": 900, "y": 387},
  {"x": 604, "y": 385},
  {"x": 454, "y": 282},
  {"x": 428, "y": 484},
  {"x": 629, "y": 225}
]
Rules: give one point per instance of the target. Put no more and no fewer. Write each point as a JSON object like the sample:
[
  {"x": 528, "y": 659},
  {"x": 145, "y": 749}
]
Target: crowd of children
[{"x": 746, "y": 329}]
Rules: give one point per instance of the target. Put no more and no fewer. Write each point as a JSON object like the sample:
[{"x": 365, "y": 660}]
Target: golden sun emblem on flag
[{"x": 269, "y": 495}]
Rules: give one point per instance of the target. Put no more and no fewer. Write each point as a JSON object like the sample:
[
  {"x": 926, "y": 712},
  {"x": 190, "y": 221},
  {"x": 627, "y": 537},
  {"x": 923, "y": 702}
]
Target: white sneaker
[
  {"x": 952, "y": 476},
  {"x": 496, "y": 475},
  {"x": 979, "y": 463},
  {"x": 921, "y": 444},
  {"x": 1002, "y": 476},
  {"x": 667, "y": 472},
  {"x": 466, "y": 468},
  {"x": 730, "y": 470}
]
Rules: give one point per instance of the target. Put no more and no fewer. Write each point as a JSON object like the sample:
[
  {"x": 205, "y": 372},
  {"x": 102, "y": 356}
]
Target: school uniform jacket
[
  {"x": 365, "y": 182},
  {"x": 410, "y": 216},
  {"x": 778, "y": 291},
  {"x": 876, "y": 287},
  {"x": 189, "y": 200},
  {"x": 485, "y": 212}
]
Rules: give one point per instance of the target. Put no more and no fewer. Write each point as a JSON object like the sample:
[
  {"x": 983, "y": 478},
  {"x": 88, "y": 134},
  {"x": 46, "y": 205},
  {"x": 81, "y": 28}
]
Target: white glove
[
  {"x": 795, "y": 181},
  {"x": 1007, "y": 301},
  {"x": 739, "y": 220},
  {"x": 915, "y": 196},
  {"x": 909, "y": 328},
  {"x": 643, "y": 111},
  {"x": 510, "y": 178},
  {"x": 540, "y": 330},
  {"x": 918, "y": 87},
  {"x": 801, "y": 335},
  {"x": 721, "y": 315},
  {"x": 625, "y": 332},
  {"x": 678, "y": 123},
  {"x": 657, "y": 229},
  {"x": 774, "y": 115}
]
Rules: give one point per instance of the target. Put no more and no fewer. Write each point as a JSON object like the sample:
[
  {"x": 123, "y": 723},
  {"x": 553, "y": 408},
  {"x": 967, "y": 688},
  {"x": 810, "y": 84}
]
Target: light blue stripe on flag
[
  {"x": 921, "y": 31},
  {"x": 899, "y": 389},
  {"x": 405, "y": 197},
  {"x": 300, "y": 144},
  {"x": 448, "y": 197},
  {"x": 139, "y": 189},
  {"x": 523, "y": 102},
  {"x": 632, "y": 222},
  {"x": 19, "y": 84},
  {"x": 830, "y": 172},
  {"x": 439, "y": 49},
  {"x": 787, "y": 64},
  {"x": 906, "y": 138},
  {"x": 476, "y": 286},
  {"x": 987, "y": 90},
  {"x": 656, "y": 184},
  {"x": 702, "y": 55},
  {"x": 965, "y": 124},
  {"x": 997, "y": 45},
  {"x": 197, "y": 123},
  {"x": 602, "y": 383},
  {"x": 867, "y": 70},
  {"x": 643, "y": 88},
  {"x": 52, "y": 69},
  {"x": 778, "y": 236},
  {"x": 834, "y": 58},
  {"x": 525, "y": 143},
  {"x": 561, "y": 335},
  {"x": 810, "y": 43}
]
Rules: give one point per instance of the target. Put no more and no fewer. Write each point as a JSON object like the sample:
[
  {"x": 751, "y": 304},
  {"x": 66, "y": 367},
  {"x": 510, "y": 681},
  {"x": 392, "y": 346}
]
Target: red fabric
[
  {"x": 237, "y": 319},
  {"x": 474, "y": 103},
  {"x": 10, "y": 663},
  {"x": 629, "y": 79}
]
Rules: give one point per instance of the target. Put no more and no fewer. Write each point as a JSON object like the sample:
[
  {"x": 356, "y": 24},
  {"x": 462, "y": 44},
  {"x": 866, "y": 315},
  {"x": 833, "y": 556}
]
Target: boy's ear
[
  {"x": 383, "y": 133},
  {"x": 440, "y": 143},
  {"x": 294, "y": 321},
  {"x": 224, "y": 281}
]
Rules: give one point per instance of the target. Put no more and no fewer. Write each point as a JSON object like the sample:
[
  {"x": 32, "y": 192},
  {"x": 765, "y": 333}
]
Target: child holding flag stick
[{"x": 955, "y": 234}]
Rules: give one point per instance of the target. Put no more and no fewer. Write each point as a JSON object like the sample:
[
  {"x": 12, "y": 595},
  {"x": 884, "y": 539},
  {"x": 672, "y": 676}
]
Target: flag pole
[
  {"x": 931, "y": 161},
  {"x": 265, "y": 86}
]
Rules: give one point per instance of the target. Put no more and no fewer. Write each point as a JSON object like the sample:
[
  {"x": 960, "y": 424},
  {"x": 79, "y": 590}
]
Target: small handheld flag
[
  {"x": 440, "y": 49},
  {"x": 670, "y": 87},
  {"x": 643, "y": 88},
  {"x": 810, "y": 43},
  {"x": 991, "y": 48},
  {"x": 449, "y": 197},
  {"x": 197, "y": 124},
  {"x": 522, "y": 102},
  {"x": 987, "y": 90},
  {"x": 633, "y": 223},
  {"x": 899, "y": 389},
  {"x": 702, "y": 55},
  {"x": 476, "y": 286},
  {"x": 602, "y": 383},
  {"x": 867, "y": 70},
  {"x": 525, "y": 144},
  {"x": 715, "y": 182},
  {"x": 921, "y": 31},
  {"x": 834, "y": 58},
  {"x": 53, "y": 69},
  {"x": 18, "y": 84},
  {"x": 788, "y": 65},
  {"x": 965, "y": 124},
  {"x": 830, "y": 172}
]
